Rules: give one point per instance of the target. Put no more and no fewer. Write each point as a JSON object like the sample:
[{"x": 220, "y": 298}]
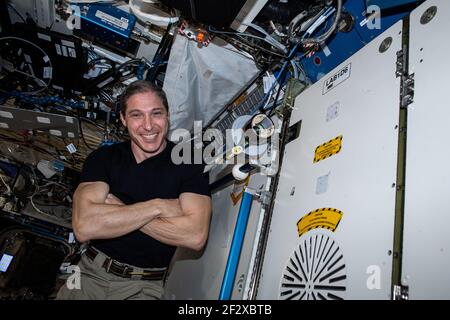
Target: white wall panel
[
  {"x": 426, "y": 246},
  {"x": 356, "y": 262}
]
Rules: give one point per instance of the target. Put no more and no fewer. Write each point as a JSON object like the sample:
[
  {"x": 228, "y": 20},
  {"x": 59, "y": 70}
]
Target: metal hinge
[
  {"x": 264, "y": 197},
  {"x": 400, "y": 293},
  {"x": 407, "y": 88},
  {"x": 407, "y": 80},
  {"x": 401, "y": 64}
]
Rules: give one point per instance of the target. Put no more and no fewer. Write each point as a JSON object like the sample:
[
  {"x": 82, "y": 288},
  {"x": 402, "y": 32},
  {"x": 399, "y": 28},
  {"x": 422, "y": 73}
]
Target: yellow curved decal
[
  {"x": 327, "y": 218},
  {"x": 328, "y": 149}
]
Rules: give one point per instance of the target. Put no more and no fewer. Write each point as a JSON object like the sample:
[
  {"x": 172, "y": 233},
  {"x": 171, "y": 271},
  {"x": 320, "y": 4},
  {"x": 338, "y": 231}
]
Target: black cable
[
  {"x": 280, "y": 86},
  {"x": 241, "y": 35},
  {"x": 25, "y": 144},
  {"x": 251, "y": 44},
  {"x": 272, "y": 110},
  {"x": 193, "y": 10},
  {"x": 91, "y": 122},
  {"x": 93, "y": 61},
  {"x": 81, "y": 130},
  {"x": 104, "y": 96},
  {"x": 282, "y": 81},
  {"x": 132, "y": 62},
  {"x": 161, "y": 53}
]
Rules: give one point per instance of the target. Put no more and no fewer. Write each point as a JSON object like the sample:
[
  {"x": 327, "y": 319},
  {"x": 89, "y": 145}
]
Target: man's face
[{"x": 147, "y": 122}]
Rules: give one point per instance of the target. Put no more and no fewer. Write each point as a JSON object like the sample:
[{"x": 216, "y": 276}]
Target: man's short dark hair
[{"x": 142, "y": 86}]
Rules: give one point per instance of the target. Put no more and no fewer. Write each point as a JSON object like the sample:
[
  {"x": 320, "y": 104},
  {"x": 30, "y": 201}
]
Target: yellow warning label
[
  {"x": 328, "y": 149},
  {"x": 326, "y": 218}
]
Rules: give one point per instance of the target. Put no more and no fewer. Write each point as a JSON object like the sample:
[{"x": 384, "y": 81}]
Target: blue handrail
[{"x": 236, "y": 246}]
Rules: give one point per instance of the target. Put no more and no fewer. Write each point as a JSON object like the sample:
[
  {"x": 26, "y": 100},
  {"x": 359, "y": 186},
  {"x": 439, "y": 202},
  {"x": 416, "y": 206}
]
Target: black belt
[{"x": 124, "y": 270}]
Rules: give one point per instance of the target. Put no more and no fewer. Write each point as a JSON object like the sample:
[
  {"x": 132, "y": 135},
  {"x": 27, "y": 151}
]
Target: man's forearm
[
  {"x": 177, "y": 231},
  {"x": 190, "y": 229},
  {"x": 106, "y": 221}
]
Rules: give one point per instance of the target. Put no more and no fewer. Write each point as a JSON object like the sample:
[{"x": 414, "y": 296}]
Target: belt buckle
[
  {"x": 108, "y": 266},
  {"x": 141, "y": 275}
]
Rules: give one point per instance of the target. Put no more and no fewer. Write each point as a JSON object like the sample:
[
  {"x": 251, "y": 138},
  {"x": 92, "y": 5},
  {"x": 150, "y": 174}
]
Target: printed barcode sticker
[
  {"x": 47, "y": 72},
  {"x": 71, "y": 148}
]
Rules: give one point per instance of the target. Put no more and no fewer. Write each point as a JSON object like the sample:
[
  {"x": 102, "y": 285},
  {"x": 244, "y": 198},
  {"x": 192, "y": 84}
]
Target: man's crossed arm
[{"x": 182, "y": 222}]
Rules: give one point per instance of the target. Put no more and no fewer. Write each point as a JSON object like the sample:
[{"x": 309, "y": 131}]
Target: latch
[
  {"x": 401, "y": 64},
  {"x": 264, "y": 197},
  {"x": 407, "y": 82},
  {"x": 407, "y": 90},
  {"x": 400, "y": 293}
]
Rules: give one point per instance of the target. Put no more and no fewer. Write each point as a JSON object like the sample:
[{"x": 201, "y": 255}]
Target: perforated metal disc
[{"x": 315, "y": 271}]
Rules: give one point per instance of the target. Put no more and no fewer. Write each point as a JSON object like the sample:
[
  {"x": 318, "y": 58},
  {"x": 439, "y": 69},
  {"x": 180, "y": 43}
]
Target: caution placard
[
  {"x": 327, "y": 218},
  {"x": 328, "y": 149}
]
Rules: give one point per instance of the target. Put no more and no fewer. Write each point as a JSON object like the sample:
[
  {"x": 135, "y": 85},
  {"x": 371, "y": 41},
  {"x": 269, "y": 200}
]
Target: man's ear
[{"x": 122, "y": 118}]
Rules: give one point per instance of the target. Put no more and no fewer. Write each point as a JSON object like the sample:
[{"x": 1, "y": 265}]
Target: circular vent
[{"x": 315, "y": 271}]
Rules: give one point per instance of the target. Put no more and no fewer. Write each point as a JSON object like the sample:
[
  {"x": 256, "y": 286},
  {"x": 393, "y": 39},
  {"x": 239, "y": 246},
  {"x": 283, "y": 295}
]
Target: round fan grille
[{"x": 315, "y": 271}]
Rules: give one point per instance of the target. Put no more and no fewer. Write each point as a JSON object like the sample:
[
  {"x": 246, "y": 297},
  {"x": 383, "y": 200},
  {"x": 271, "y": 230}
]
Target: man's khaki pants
[{"x": 96, "y": 284}]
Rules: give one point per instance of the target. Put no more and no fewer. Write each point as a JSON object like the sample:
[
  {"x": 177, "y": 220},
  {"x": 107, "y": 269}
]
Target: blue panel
[
  {"x": 389, "y": 4},
  {"x": 369, "y": 31},
  {"x": 343, "y": 45},
  {"x": 111, "y": 18},
  {"x": 107, "y": 24}
]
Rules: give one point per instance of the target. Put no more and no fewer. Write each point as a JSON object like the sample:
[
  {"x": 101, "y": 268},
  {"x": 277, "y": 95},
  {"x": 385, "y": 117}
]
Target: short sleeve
[
  {"x": 97, "y": 166},
  {"x": 194, "y": 180}
]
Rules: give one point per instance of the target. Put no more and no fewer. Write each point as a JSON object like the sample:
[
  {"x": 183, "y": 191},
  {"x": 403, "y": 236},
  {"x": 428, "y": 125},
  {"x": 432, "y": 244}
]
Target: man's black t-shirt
[{"x": 131, "y": 182}]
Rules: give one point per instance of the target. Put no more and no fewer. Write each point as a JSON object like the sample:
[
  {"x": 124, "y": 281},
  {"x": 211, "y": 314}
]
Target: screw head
[
  {"x": 385, "y": 45},
  {"x": 428, "y": 15}
]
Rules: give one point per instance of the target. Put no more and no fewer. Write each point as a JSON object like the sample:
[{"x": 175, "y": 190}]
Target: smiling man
[{"x": 133, "y": 206}]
